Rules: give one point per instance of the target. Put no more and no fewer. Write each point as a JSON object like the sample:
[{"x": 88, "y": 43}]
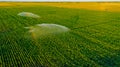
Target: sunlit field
[
  {"x": 60, "y": 35},
  {"x": 101, "y": 6}
]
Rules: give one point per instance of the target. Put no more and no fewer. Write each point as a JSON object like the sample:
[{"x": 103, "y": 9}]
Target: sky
[{"x": 60, "y": 0}]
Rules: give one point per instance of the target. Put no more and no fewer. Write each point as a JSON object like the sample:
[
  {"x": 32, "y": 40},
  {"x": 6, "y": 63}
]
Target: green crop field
[{"x": 93, "y": 39}]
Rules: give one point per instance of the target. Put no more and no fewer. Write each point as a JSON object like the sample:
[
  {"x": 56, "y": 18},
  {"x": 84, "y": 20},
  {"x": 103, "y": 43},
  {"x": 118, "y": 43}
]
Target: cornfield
[{"x": 93, "y": 39}]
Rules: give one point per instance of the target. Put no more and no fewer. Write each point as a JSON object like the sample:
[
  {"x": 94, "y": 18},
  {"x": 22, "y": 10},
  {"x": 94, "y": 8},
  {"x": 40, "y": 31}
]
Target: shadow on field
[{"x": 108, "y": 61}]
